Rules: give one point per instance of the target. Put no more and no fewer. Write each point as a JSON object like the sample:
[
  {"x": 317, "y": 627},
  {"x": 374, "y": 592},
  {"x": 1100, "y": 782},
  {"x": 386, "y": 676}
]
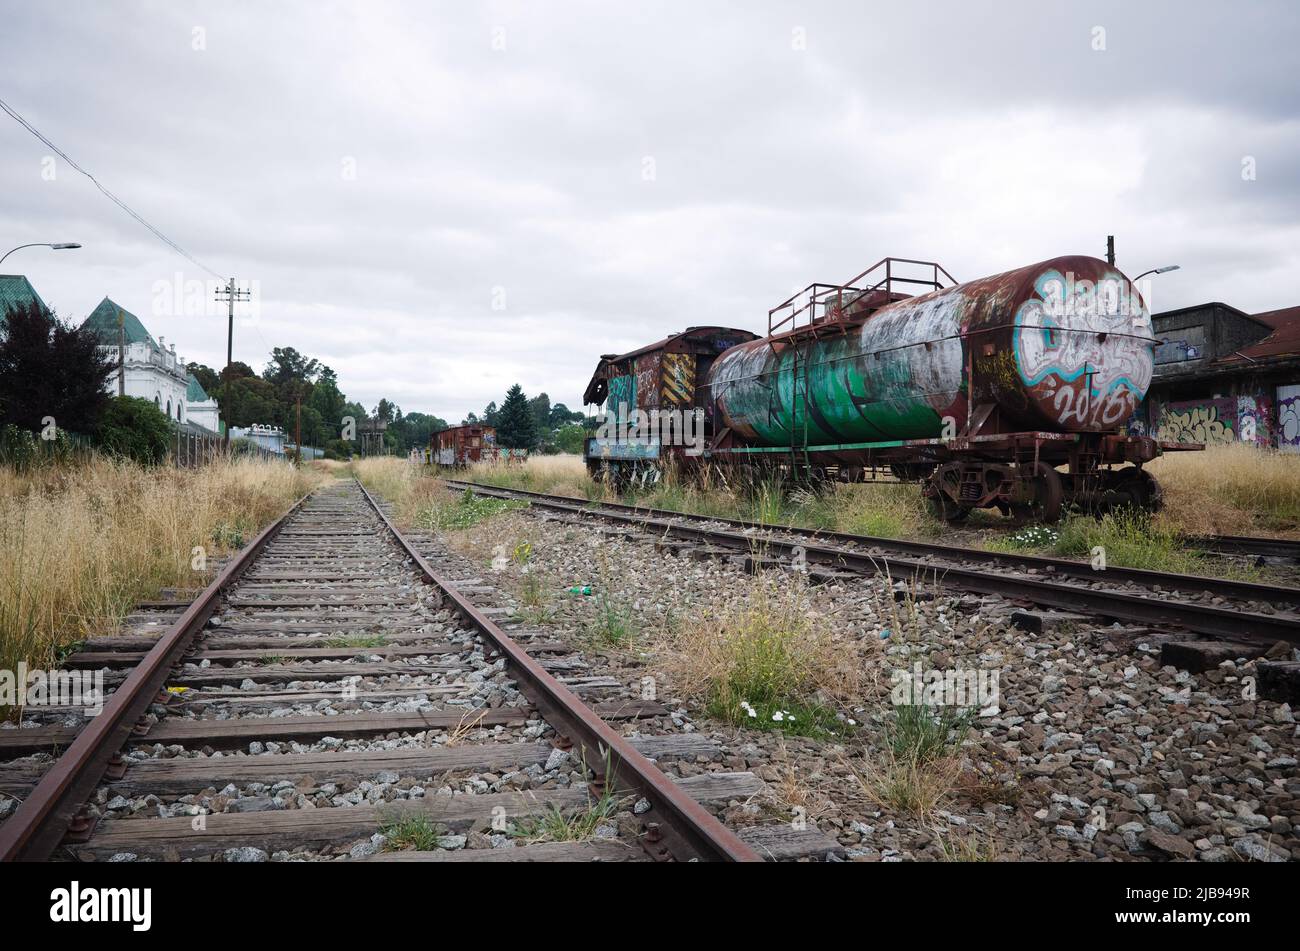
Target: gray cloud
[{"x": 982, "y": 135}]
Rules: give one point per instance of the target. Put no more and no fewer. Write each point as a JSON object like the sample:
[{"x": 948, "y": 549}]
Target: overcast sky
[{"x": 440, "y": 200}]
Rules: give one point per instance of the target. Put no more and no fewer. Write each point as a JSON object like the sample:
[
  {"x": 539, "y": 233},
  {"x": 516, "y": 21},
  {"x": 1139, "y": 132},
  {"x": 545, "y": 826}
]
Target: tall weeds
[{"x": 81, "y": 545}]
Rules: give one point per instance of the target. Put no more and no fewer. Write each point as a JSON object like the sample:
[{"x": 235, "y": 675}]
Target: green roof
[
  {"x": 103, "y": 320},
  {"x": 195, "y": 393},
  {"x": 17, "y": 291}
]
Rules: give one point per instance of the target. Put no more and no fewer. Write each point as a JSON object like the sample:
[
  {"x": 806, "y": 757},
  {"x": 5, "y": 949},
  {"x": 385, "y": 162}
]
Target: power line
[{"x": 108, "y": 194}]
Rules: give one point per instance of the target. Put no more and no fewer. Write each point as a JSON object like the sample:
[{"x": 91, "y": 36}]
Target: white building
[{"x": 153, "y": 371}]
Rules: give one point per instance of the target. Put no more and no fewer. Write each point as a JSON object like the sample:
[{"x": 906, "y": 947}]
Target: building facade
[
  {"x": 1223, "y": 376},
  {"x": 150, "y": 369}
]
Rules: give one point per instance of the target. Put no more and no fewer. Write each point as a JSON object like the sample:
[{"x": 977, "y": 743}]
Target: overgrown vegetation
[
  {"x": 917, "y": 765},
  {"x": 415, "y": 833},
  {"x": 887, "y": 509},
  {"x": 464, "y": 511},
  {"x": 79, "y": 547},
  {"x": 135, "y": 429},
  {"x": 768, "y": 661},
  {"x": 1236, "y": 489},
  {"x": 554, "y": 825}
]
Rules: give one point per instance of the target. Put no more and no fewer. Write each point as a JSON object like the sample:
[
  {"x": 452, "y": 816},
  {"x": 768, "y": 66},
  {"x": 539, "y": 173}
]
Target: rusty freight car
[
  {"x": 655, "y": 407},
  {"x": 462, "y": 445},
  {"x": 1007, "y": 392}
]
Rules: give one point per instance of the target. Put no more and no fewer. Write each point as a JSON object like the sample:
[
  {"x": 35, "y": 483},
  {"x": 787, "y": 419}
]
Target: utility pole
[
  {"x": 1110, "y": 250},
  {"x": 229, "y": 294},
  {"x": 297, "y": 436},
  {"x": 121, "y": 353}
]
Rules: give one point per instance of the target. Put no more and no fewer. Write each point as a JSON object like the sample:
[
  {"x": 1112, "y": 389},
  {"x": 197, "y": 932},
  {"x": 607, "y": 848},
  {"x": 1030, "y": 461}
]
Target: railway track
[
  {"x": 1280, "y": 548},
  {"x": 340, "y": 687},
  {"x": 1220, "y": 608}
]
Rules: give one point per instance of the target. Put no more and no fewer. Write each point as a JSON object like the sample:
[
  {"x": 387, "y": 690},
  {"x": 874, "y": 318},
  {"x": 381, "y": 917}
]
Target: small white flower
[{"x": 778, "y": 716}]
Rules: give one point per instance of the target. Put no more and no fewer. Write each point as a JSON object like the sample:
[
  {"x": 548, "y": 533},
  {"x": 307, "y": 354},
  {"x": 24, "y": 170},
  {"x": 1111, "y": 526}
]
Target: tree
[
  {"x": 327, "y": 401},
  {"x": 541, "y": 409},
  {"x": 206, "y": 376},
  {"x": 287, "y": 364},
  {"x": 571, "y": 438},
  {"x": 50, "y": 369},
  {"x": 561, "y": 415},
  {"x": 516, "y": 428},
  {"x": 134, "y": 428}
]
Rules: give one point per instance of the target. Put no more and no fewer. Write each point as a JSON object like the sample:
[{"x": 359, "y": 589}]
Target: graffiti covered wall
[
  {"x": 1223, "y": 419},
  {"x": 1255, "y": 419},
  {"x": 1210, "y": 421},
  {"x": 1288, "y": 418}
]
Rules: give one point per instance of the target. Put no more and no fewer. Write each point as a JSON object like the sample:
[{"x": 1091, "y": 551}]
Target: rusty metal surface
[
  {"x": 903, "y": 558},
  {"x": 462, "y": 445},
  {"x": 1062, "y": 345},
  {"x": 685, "y": 829},
  {"x": 34, "y": 831}
]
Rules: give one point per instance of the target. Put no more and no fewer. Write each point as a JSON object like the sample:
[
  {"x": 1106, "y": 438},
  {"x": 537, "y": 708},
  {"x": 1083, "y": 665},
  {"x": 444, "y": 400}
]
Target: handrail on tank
[{"x": 821, "y": 293}]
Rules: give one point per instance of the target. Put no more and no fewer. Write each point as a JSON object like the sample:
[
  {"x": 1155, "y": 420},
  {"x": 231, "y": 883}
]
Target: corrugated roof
[
  {"x": 103, "y": 320},
  {"x": 17, "y": 291},
  {"x": 1283, "y": 341},
  {"x": 195, "y": 393}
]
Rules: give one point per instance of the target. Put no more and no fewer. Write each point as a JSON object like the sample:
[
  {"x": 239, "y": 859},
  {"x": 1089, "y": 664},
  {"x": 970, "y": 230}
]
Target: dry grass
[
  {"x": 80, "y": 546},
  {"x": 908, "y": 782},
  {"x": 1232, "y": 490},
  {"x": 557, "y": 475},
  {"x": 767, "y": 659},
  {"x": 410, "y": 488}
]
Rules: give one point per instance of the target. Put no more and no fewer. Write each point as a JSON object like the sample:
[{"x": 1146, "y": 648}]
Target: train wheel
[
  {"x": 945, "y": 509},
  {"x": 942, "y": 504},
  {"x": 1047, "y": 496},
  {"x": 1142, "y": 487}
]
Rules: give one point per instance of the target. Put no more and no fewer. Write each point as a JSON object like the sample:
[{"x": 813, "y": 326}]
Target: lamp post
[
  {"x": 60, "y": 246},
  {"x": 1156, "y": 270}
]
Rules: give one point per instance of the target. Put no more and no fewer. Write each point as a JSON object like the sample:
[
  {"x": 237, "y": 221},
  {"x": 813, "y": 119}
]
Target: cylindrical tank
[{"x": 1065, "y": 345}]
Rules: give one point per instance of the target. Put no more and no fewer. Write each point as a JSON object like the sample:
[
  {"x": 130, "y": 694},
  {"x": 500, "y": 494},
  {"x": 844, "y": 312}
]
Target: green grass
[
  {"x": 1032, "y": 538},
  {"x": 614, "y": 623},
  {"x": 230, "y": 535},
  {"x": 357, "y": 640},
  {"x": 1126, "y": 539},
  {"x": 417, "y": 833},
  {"x": 466, "y": 511},
  {"x": 554, "y": 825},
  {"x": 923, "y": 733},
  {"x": 534, "y": 600},
  {"x": 785, "y": 716},
  {"x": 767, "y": 663},
  {"x": 1129, "y": 539}
]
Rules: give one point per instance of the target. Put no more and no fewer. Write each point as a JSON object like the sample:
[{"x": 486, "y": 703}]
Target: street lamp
[
  {"x": 62, "y": 246},
  {"x": 1156, "y": 270}
]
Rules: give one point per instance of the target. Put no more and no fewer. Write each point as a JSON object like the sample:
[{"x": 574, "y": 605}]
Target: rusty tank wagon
[{"x": 1008, "y": 392}]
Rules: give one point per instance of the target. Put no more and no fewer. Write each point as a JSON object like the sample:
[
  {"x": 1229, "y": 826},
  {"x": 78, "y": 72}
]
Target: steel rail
[
  {"x": 39, "y": 824},
  {"x": 685, "y": 830},
  {"x": 1197, "y": 584},
  {"x": 1207, "y": 619},
  {"x": 1247, "y": 545}
]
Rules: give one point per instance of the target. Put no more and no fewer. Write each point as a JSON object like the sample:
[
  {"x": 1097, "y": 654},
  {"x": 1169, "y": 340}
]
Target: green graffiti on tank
[{"x": 849, "y": 397}]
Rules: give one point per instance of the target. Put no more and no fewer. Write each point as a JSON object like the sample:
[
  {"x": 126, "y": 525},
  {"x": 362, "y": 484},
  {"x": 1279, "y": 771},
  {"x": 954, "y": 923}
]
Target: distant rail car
[
  {"x": 462, "y": 446},
  {"x": 1009, "y": 392}
]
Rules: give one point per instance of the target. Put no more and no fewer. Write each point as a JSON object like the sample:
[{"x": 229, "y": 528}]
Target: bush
[{"x": 135, "y": 429}]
